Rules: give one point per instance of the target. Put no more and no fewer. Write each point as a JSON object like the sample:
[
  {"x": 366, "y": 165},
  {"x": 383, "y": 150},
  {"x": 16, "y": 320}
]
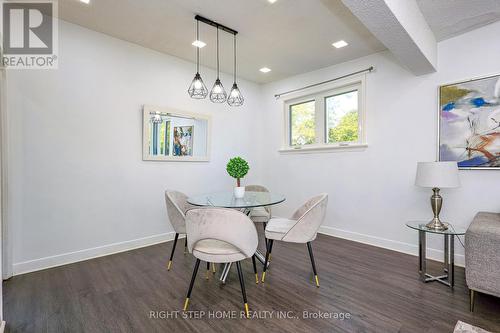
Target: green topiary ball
[{"x": 237, "y": 168}]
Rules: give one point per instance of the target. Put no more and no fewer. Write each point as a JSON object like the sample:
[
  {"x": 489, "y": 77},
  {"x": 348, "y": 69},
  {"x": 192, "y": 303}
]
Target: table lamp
[{"x": 437, "y": 175}]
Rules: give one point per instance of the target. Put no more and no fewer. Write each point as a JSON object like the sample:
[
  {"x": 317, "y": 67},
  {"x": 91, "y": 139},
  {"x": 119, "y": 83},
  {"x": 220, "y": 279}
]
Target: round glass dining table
[
  {"x": 227, "y": 200},
  {"x": 245, "y": 204}
]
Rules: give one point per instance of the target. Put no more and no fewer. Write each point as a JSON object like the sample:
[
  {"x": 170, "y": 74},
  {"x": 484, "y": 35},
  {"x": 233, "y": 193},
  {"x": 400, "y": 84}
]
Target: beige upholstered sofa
[{"x": 482, "y": 255}]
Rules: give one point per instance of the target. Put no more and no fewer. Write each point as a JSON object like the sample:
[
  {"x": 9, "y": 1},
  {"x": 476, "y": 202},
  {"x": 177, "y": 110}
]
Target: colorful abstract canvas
[
  {"x": 469, "y": 123},
  {"x": 183, "y": 141}
]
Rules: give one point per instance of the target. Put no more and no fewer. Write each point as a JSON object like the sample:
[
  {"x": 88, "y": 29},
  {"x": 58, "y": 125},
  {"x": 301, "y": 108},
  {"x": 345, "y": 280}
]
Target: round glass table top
[
  {"x": 227, "y": 199},
  {"x": 420, "y": 225}
]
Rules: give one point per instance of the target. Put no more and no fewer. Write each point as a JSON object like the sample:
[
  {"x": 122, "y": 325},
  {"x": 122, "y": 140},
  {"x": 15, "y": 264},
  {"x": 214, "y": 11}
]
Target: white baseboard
[
  {"x": 407, "y": 248},
  {"x": 100, "y": 251}
]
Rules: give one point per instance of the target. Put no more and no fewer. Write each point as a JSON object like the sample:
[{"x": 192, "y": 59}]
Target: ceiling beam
[{"x": 402, "y": 28}]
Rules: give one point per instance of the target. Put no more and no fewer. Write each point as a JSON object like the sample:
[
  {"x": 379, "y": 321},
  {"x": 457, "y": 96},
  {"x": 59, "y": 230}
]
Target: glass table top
[
  {"x": 420, "y": 225},
  {"x": 227, "y": 199}
]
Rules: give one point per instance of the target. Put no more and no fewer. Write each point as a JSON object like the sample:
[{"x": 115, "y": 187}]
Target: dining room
[{"x": 265, "y": 165}]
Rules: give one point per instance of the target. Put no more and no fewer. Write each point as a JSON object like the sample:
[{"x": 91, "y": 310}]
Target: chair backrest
[
  {"x": 258, "y": 188},
  {"x": 177, "y": 206},
  {"x": 227, "y": 225},
  {"x": 309, "y": 218}
]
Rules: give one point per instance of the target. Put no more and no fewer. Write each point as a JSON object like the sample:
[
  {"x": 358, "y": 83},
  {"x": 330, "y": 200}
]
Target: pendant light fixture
[
  {"x": 235, "y": 97},
  {"x": 218, "y": 94},
  {"x": 197, "y": 89}
]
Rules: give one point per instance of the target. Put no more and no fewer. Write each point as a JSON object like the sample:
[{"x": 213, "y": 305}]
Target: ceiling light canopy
[
  {"x": 265, "y": 70},
  {"x": 340, "y": 43},
  {"x": 85, "y": 1},
  {"x": 199, "y": 43},
  {"x": 271, "y": 1}
]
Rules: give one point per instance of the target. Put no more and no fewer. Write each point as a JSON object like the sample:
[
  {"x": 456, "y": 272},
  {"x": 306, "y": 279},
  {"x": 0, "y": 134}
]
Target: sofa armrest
[{"x": 482, "y": 253}]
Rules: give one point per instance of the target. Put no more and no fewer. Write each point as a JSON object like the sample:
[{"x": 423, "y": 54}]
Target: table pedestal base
[{"x": 226, "y": 267}]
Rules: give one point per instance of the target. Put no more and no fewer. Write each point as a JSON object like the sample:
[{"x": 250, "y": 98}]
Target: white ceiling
[
  {"x": 289, "y": 36},
  {"x": 449, "y": 18}
]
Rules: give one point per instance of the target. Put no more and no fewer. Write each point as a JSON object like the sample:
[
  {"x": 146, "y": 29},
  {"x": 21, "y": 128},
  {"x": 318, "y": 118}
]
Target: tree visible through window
[
  {"x": 342, "y": 120},
  {"x": 302, "y": 124}
]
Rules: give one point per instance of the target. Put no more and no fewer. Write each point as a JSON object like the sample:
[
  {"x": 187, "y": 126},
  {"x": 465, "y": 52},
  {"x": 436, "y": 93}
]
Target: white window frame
[{"x": 319, "y": 94}]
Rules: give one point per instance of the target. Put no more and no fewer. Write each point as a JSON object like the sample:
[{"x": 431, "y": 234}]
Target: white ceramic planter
[{"x": 239, "y": 192}]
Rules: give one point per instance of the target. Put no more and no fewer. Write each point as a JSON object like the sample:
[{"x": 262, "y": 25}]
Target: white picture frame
[{"x": 150, "y": 110}]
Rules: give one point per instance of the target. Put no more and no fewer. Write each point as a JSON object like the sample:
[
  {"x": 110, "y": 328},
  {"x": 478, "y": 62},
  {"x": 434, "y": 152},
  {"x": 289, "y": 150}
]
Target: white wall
[
  {"x": 371, "y": 191},
  {"x": 78, "y": 185}
]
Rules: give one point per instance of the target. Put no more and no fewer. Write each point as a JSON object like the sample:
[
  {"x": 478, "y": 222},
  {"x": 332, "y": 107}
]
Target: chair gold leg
[
  {"x": 268, "y": 253},
  {"x": 169, "y": 265},
  {"x": 213, "y": 267},
  {"x": 191, "y": 284},
  {"x": 309, "y": 247},
  {"x": 246, "y": 310},
  {"x": 242, "y": 285},
  {"x": 255, "y": 270}
]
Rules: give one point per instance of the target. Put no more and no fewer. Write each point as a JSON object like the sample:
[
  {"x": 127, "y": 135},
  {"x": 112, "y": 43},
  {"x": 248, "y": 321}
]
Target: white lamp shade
[{"x": 437, "y": 174}]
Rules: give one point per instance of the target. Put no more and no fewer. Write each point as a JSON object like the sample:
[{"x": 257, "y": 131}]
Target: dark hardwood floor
[{"x": 378, "y": 288}]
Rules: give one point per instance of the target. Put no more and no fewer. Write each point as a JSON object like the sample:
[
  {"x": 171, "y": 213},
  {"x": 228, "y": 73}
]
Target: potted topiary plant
[{"x": 238, "y": 168}]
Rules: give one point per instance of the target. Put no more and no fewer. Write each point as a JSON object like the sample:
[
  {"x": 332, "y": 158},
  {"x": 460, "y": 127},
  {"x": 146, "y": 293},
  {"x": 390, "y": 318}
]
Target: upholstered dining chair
[
  {"x": 177, "y": 206},
  {"x": 302, "y": 227},
  {"x": 259, "y": 214},
  {"x": 220, "y": 235}
]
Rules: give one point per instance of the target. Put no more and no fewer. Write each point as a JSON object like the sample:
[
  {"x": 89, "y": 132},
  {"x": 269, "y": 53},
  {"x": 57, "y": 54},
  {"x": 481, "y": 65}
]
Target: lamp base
[
  {"x": 436, "y": 224},
  {"x": 436, "y": 203}
]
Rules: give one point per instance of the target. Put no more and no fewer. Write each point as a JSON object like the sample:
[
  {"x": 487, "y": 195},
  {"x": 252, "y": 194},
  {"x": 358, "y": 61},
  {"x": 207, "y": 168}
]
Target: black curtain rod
[
  {"x": 369, "y": 69},
  {"x": 215, "y": 24}
]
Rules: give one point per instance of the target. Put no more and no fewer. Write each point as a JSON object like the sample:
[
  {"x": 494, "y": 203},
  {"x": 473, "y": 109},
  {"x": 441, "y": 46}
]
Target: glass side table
[{"x": 449, "y": 251}]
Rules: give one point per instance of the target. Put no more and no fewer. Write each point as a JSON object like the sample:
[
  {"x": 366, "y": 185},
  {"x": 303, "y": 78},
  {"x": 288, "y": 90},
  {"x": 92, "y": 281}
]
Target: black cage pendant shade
[
  {"x": 218, "y": 93},
  {"x": 197, "y": 89},
  {"x": 235, "y": 97}
]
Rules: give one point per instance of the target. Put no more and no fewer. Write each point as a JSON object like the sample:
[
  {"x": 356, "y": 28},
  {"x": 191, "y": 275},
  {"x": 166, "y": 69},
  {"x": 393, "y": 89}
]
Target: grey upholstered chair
[
  {"x": 302, "y": 227},
  {"x": 177, "y": 206},
  {"x": 482, "y": 255},
  {"x": 220, "y": 235}
]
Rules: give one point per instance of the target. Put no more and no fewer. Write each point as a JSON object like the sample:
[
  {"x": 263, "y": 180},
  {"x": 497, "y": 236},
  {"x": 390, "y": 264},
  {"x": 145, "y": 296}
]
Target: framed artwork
[
  {"x": 469, "y": 123},
  {"x": 168, "y": 135},
  {"x": 183, "y": 141}
]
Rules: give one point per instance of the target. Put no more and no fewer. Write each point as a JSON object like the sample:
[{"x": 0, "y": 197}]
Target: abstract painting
[
  {"x": 183, "y": 141},
  {"x": 469, "y": 123}
]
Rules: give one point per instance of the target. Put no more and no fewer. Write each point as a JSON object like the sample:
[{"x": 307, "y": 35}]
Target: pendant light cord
[
  {"x": 234, "y": 72},
  {"x": 217, "y": 52},
  {"x": 197, "y": 48}
]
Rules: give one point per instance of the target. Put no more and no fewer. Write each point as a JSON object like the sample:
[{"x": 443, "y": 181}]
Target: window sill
[{"x": 323, "y": 149}]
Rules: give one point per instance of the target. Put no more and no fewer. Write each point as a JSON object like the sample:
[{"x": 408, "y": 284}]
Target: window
[
  {"x": 302, "y": 123},
  {"x": 342, "y": 117},
  {"x": 328, "y": 119}
]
